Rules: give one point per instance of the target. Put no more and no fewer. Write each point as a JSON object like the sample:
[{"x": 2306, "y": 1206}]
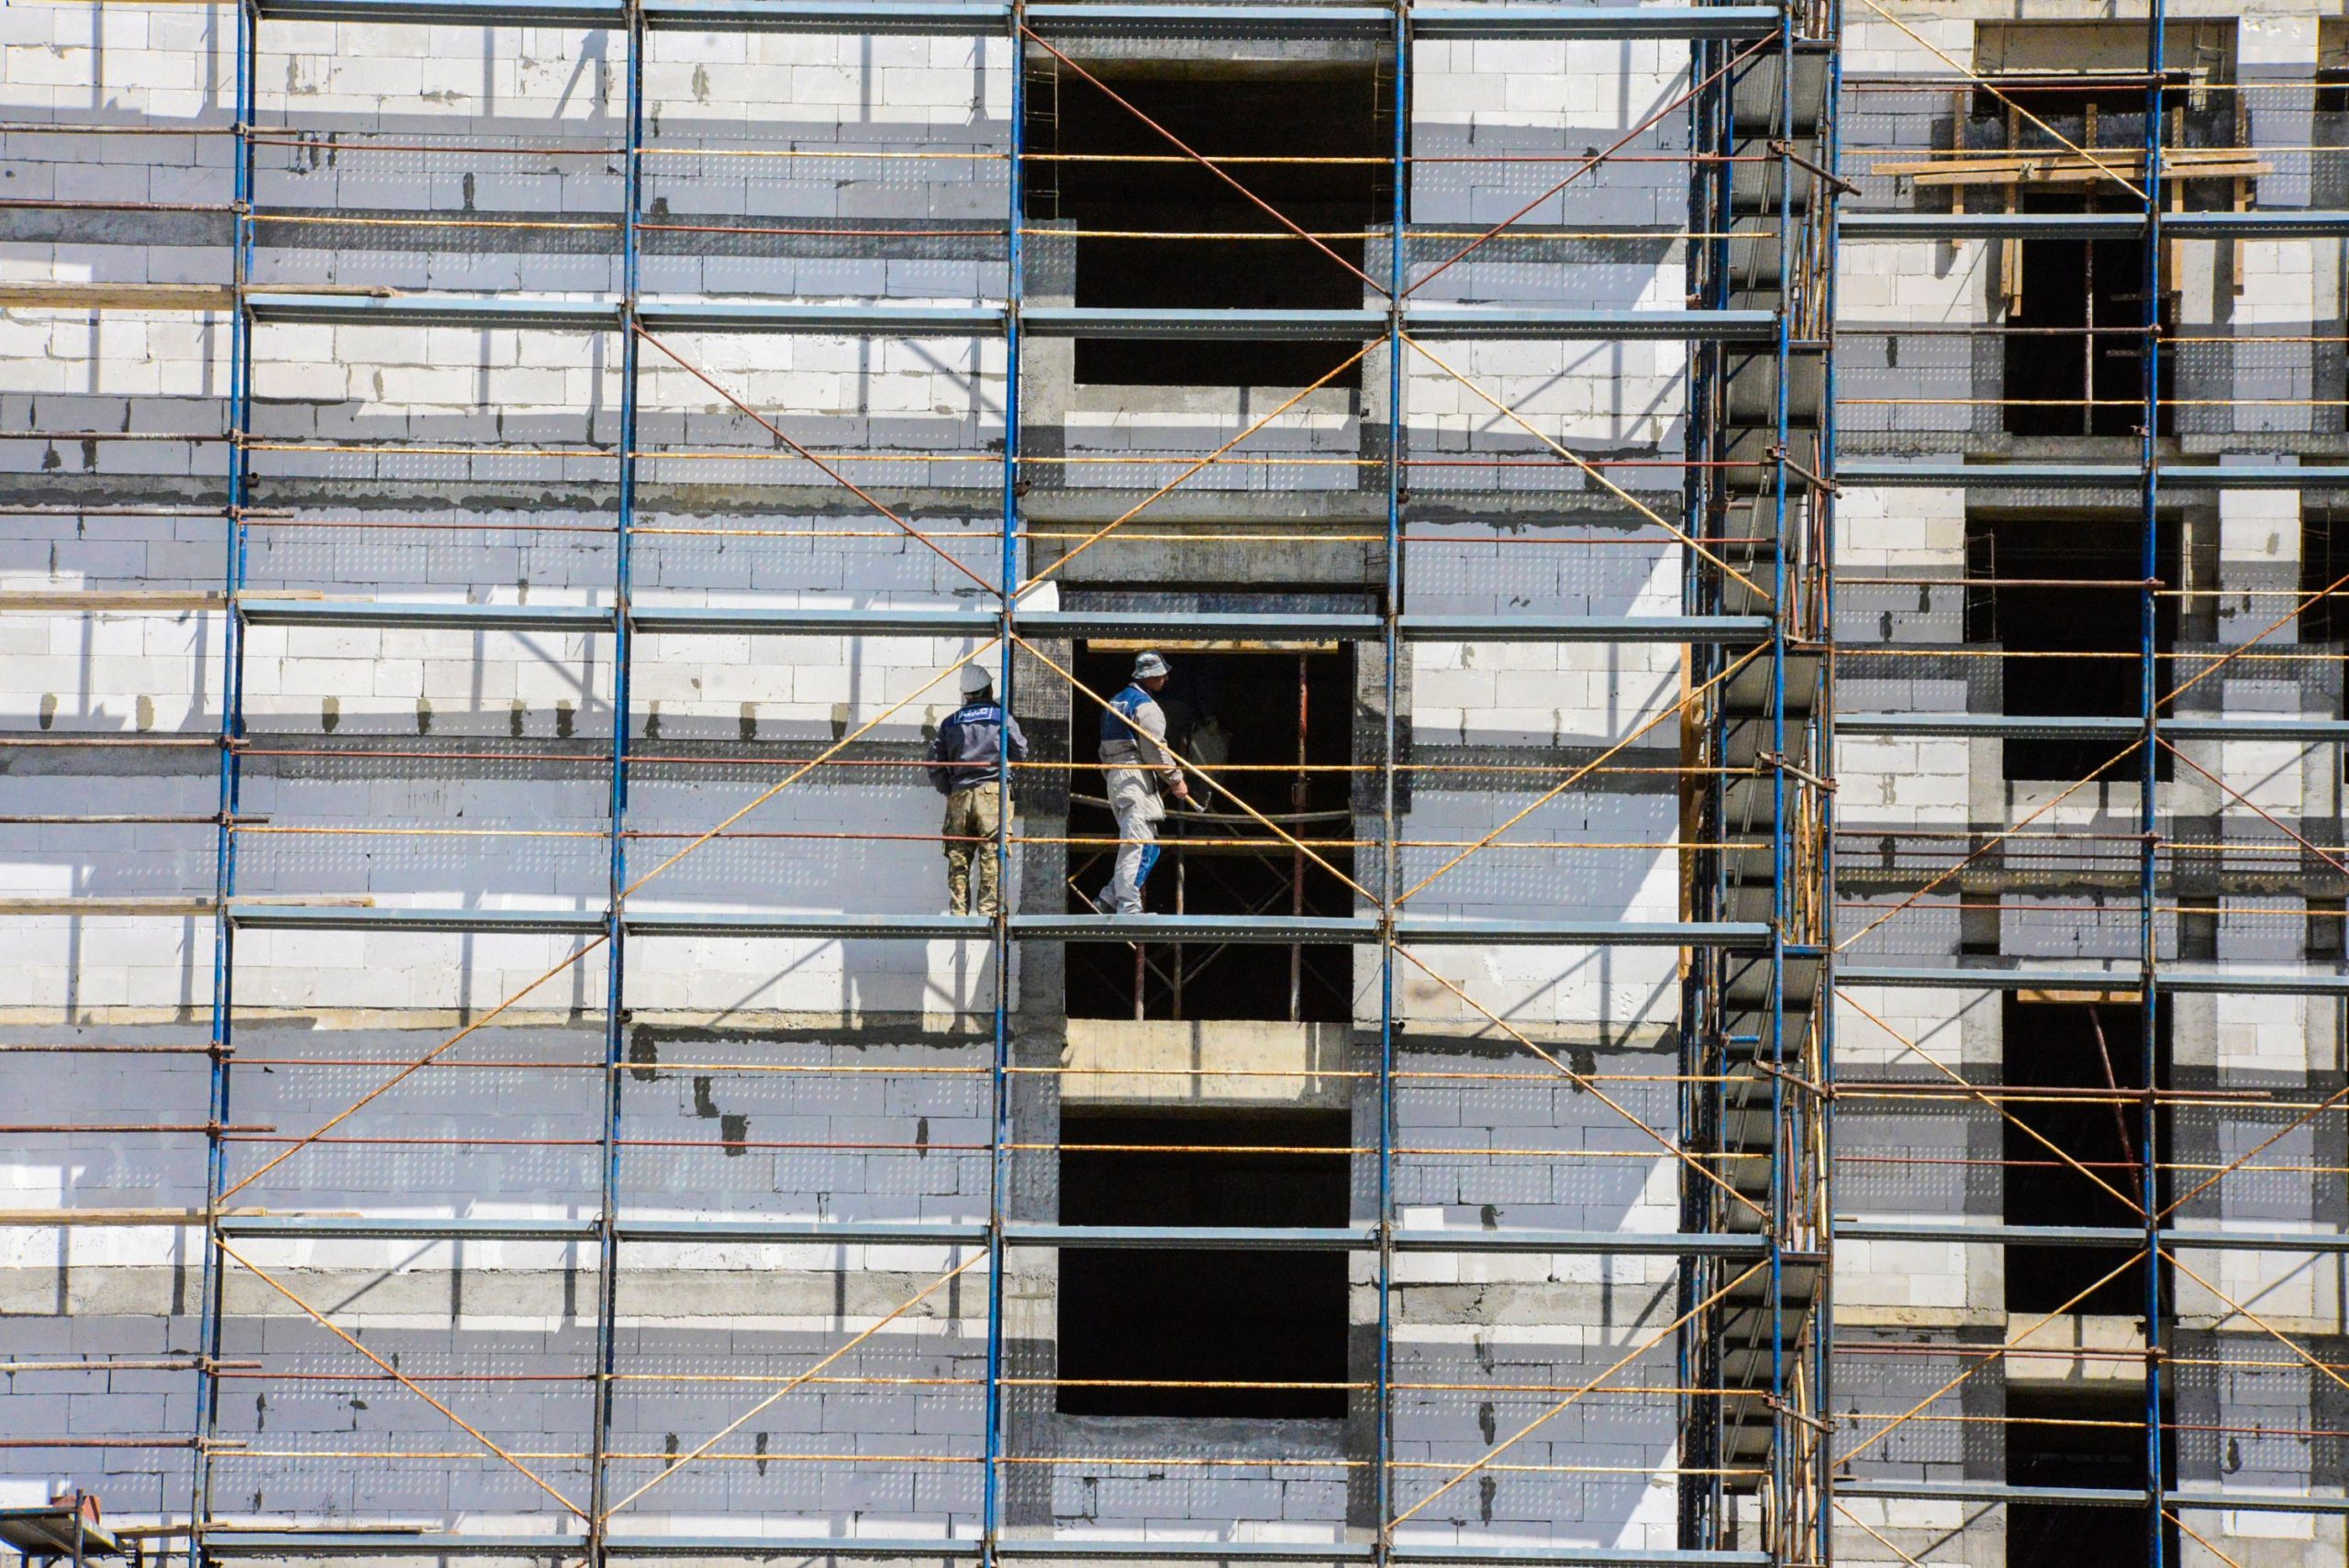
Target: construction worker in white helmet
[
  {"x": 966, "y": 759},
  {"x": 1136, "y": 765}
]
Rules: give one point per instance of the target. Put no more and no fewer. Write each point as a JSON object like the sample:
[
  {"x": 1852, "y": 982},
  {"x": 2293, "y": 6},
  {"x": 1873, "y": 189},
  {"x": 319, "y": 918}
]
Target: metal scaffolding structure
[
  {"x": 2157, "y": 877},
  {"x": 1779, "y": 946},
  {"x": 1755, "y": 939}
]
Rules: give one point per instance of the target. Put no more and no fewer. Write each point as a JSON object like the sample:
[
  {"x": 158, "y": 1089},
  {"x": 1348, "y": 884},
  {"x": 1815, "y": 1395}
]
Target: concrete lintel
[{"x": 1168, "y": 1063}]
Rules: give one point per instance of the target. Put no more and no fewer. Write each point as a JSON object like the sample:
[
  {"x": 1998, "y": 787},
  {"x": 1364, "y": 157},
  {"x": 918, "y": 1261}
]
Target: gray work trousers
[{"x": 1135, "y": 801}]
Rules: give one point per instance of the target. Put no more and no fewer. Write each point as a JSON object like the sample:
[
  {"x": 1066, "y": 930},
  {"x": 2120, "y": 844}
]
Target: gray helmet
[
  {"x": 1148, "y": 666},
  {"x": 977, "y": 678}
]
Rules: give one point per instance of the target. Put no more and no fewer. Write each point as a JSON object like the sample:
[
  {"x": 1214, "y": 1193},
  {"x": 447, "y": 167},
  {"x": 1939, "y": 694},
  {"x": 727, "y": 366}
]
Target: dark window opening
[
  {"x": 2075, "y": 343},
  {"x": 2331, "y": 90},
  {"x": 2324, "y": 562},
  {"x": 2060, "y": 595},
  {"x": 1266, "y": 712},
  {"x": 1333, "y": 110},
  {"x": 2086, "y": 1056},
  {"x": 2093, "y": 115},
  {"x": 1198, "y": 1315},
  {"x": 2103, "y": 110},
  {"x": 2323, "y": 942},
  {"x": 2083, "y": 1438}
]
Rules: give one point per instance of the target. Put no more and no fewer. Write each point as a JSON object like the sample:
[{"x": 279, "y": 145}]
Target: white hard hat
[
  {"x": 1148, "y": 666},
  {"x": 976, "y": 679}
]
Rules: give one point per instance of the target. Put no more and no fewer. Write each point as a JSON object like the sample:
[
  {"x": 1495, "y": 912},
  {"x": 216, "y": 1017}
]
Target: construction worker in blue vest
[
  {"x": 1136, "y": 766},
  {"x": 965, "y": 758}
]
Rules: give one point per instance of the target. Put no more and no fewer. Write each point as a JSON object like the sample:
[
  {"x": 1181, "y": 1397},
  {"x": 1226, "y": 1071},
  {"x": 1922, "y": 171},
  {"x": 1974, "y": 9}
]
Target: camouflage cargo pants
[{"x": 972, "y": 818}]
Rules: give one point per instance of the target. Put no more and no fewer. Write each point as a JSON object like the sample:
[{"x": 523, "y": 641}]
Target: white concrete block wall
[
  {"x": 1901, "y": 782},
  {"x": 416, "y": 84},
  {"x": 2045, "y": 927},
  {"x": 425, "y": 681},
  {"x": 167, "y": 65},
  {"x": 1571, "y": 883},
  {"x": 347, "y": 1443},
  {"x": 49, "y": 553},
  {"x": 128, "y": 672},
  {"x": 55, "y": 860},
  {"x": 318, "y": 388},
  {"x": 816, "y": 562},
  {"x": 1469, "y": 568},
  {"x": 884, "y": 1441},
  {"x": 1594, "y": 1487},
  {"x": 1546, "y": 98},
  {"x": 125, "y": 1409},
  {"x": 819, "y": 687},
  {"x": 146, "y": 374},
  {"x": 844, "y": 396},
  {"x": 1874, "y": 1389},
  {"x": 151, "y": 1169},
  {"x": 94, "y": 367},
  {"x": 1540, "y": 107},
  {"x": 1602, "y": 990},
  {"x": 531, "y": 1094},
  {"x": 1591, "y": 695},
  {"x": 396, "y": 972},
  {"x": 940, "y": 981},
  {"x": 1540, "y": 1153},
  {"x": 515, "y": 557},
  {"x": 849, "y": 90},
  {"x": 1165, "y": 431},
  {"x": 1908, "y": 1160},
  {"x": 843, "y": 131},
  {"x": 131, "y": 966},
  {"x": 1899, "y": 392},
  {"x": 718, "y": 1140},
  {"x": 1596, "y": 399},
  {"x": 524, "y": 1309}
]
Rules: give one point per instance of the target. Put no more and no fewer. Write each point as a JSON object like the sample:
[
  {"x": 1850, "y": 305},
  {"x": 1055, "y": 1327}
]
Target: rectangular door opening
[
  {"x": 2075, "y": 344},
  {"x": 1147, "y": 1330},
  {"x": 1250, "y": 718},
  {"x": 2092, "y": 1439},
  {"x": 1333, "y": 117},
  {"x": 2062, "y": 596},
  {"x": 2085, "y": 1059}
]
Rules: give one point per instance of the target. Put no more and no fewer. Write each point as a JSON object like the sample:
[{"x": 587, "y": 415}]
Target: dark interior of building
[
  {"x": 1300, "y": 109},
  {"x": 2074, "y": 358},
  {"x": 2083, "y": 1054},
  {"x": 1194, "y": 1315},
  {"x": 2062, "y": 596},
  {"x": 1265, "y": 712},
  {"x": 2325, "y": 563},
  {"x": 2075, "y": 343},
  {"x": 2079, "y": 1436}
]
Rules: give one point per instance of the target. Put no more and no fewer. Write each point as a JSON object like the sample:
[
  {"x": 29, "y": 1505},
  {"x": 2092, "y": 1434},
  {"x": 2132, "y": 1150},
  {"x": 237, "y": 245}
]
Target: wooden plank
[
  {"x": 166, "y": 904},
  {"x": 2065, "y": 167},
  {"x": 68, "y": 601},
  {"x": 37, "y": 294},
  {"x": 44, "y": 1219},
  {"x": 118, "y": 296}
]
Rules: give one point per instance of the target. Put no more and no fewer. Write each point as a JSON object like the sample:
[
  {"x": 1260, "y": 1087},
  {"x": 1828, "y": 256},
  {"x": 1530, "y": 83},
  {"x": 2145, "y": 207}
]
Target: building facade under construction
[{"x": 1757, "y": 599}]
